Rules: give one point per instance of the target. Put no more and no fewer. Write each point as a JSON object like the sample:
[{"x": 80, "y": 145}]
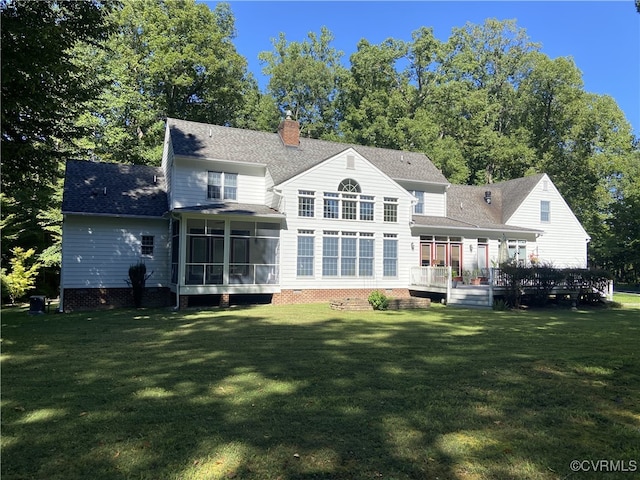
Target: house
[{"x": 234, "y": 213}]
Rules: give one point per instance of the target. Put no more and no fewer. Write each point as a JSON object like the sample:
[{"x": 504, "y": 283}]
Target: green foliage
[
  {"x": 378, "y": 300},
  {"x": 585, "y": 283},
  {"x": 304, "y": 78},
  {"x": 22, "y": 277},
  {"x": 168, "y": 58},
  {"x": 44, "y": 87},
  {"x": 500, "y": 305}
]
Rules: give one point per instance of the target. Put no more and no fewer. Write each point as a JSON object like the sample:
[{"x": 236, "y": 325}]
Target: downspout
[
  {"x": 279, "y": 193},
  {"x": 173, "y": 217},
  {"x": 61, "y": 295}
]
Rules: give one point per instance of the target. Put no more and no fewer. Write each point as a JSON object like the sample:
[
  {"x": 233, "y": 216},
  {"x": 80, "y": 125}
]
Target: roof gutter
[{"x": 115, "y": 215}]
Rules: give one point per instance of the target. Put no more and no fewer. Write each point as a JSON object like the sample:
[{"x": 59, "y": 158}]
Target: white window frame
[
  {"x": 545, "y": 211},
  {"x": 306, "y": 203},
  {"x": 146, "y": 245},
  {"x": 228, "y": 187}
]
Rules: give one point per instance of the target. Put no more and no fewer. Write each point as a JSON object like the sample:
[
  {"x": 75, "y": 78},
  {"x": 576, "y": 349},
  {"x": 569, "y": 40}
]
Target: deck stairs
[{"x": 470, "y": 296}]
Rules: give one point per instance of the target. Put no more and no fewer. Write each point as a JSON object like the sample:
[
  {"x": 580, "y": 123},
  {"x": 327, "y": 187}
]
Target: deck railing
[{"x": 431, "y": 276}]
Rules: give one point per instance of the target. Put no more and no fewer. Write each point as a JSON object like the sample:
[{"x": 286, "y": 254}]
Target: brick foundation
[
  {"x": 103, "y": 298},
  {"x": 315, "y": 296}
]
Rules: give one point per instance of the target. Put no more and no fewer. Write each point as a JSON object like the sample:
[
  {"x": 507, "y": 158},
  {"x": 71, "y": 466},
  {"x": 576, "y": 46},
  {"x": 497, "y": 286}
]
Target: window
[
  {"x": 390, "y": 209},
  {"x": 222, "y": 186},
  {"x": 146, "y": 247},
  {"x": 330, "y": 254},
  {"x": 349, "y": 255},
  {"x": 349, "y": 207},
  {"x": 349, "y": 185},
  {"x": 365, "y": 264},
  {"x": 331, "y": 205},
  {"x": 517, "y": 250},
  {"x": 366, "y": 208},
  {"x": 390, "y": 256},
  {"x": 305, "y": 253},
  {"x": 306, "y": 203},
  {"x": 418, "y": 208},
  {"x": 545, "y": 211}
]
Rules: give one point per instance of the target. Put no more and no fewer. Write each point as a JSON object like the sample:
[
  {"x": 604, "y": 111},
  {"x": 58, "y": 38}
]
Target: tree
[
  {"x": 375, "y": 96},
  {"x": 21, "y": 279},
  {"x": 167, "y": 58},
  {"x": 43, "y": 86},
  {"x": 305, "y": 77}
]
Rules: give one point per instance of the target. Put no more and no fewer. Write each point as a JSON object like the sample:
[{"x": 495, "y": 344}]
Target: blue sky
[{"x": 603, "y": 37}]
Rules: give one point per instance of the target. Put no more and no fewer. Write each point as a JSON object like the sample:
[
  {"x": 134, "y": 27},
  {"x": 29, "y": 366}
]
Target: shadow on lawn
[{"x": 238, "y": 394}]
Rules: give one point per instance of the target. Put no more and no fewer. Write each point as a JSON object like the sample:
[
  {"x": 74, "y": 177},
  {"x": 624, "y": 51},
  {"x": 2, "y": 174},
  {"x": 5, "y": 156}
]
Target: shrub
[
  {"x": 378, "y": 300},
  {"x": 137, "y": 280},
  {"x": 21, "y": 279},
  {"x": 500, "y": 304}
]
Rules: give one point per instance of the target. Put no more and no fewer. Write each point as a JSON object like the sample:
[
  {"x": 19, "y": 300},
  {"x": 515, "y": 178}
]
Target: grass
[{"x": 304, "y": 392}]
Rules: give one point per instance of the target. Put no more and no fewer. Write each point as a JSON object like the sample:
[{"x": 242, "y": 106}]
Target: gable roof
[
  {"x": 200, "y": 140},
  {"x": 114, "y": 189},
  {"x": 466, "y": 203}
]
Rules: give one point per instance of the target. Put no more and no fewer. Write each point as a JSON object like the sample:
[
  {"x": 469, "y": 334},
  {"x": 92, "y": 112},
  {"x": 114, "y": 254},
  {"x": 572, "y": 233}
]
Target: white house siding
[
  {"x": 326, "y": 178},
  {"x": 434, "y": 197},
  {"x": 189, "y": 187},
  {"x": 98, "y": 251},
  {"x": 167, "y": 164},
  {"x": 564, "y": 242}
]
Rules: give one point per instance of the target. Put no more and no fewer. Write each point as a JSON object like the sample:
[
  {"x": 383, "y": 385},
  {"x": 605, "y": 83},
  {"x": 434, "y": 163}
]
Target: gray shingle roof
[
  {"x": 192, "y": 139},
  {"x": 466, "y": 203},
  {"x": 233, "y": 209},
  {"x": 114, "y": 189}
]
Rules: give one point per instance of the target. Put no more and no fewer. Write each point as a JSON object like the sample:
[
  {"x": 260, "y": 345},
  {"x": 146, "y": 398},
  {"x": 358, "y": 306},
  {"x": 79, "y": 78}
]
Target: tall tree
[
  {"x": 376, "y": 97},
  {"x": 305, "y": 77},
  {"x": 44, "y": 88},
  {"x": 167, "y": 58}
]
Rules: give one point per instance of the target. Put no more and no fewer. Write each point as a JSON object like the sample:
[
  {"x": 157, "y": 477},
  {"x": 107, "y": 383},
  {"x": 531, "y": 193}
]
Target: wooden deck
[{"x": 437, "y": 280}]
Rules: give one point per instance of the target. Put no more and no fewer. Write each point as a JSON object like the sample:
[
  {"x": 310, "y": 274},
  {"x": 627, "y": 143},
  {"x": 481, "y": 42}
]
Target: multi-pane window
[
  {"x": 330, "y": 254},
  {"x": 349, "y": 207},
  {"x": 390, "y": 255},
  {"x": 306, "y": 203},
  {"x": 366, "y": 208},
  {"x": 390, "y": 209},
  {"x": 349, "y": 185},
  {"x": 146, "y": 247},
  {"x": 418, "y": 208},
  {"x": 348, "y": 204},
  {"x": 305, "y": 253},
  {"x": 222, "y": 186},
  {"x": 517, "y": 250},
  {"x": 347, "y": 254},
  {"x": 365, "y": 262},
  {"x": 545, "y": 211},
  {"x": 331, "y": 205}
]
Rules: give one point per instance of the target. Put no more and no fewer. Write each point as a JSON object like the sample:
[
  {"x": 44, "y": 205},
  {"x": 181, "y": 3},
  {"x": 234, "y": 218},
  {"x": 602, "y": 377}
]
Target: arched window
[{"x": 349, "y": 185}]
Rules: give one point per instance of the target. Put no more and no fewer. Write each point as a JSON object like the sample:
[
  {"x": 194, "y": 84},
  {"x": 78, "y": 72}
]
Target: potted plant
[
  {"x": 475, "y": 277},
  {"x": 455, "y": 278},
  {"x": 466, "y": 276}
]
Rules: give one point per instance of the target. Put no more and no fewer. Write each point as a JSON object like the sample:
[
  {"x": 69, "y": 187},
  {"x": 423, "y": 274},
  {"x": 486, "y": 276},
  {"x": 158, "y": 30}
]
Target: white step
[{"x": 466, "y": 296}]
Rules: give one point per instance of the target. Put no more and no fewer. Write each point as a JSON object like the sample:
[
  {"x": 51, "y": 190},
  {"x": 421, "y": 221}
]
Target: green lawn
[{"x": 304, "y": 392}]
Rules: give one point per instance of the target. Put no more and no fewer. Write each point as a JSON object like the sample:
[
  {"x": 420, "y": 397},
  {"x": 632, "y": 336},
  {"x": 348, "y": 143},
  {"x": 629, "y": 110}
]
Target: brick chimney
[{"x": 289, "y": 131}]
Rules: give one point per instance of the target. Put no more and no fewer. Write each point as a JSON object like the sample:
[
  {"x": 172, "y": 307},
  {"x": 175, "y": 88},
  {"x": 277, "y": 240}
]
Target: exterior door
[
  {"x": 483, "y": 256},
  {"x": 440, "y": 259}
]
